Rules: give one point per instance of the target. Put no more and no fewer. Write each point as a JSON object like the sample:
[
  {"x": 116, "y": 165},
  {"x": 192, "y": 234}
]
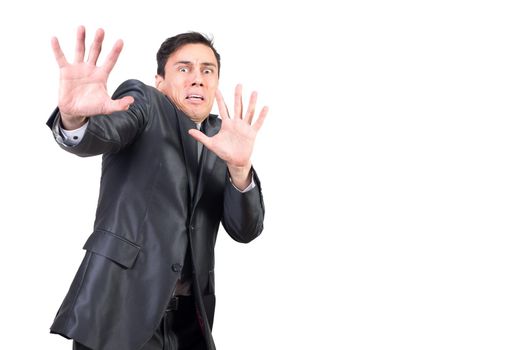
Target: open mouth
[{"x": 195, "y": 98}]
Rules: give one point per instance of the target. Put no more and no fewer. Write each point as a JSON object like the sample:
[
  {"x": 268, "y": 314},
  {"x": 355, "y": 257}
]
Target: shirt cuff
[
  {"x": 73, "y": 137},
  {"x": 248, "y": 188}
]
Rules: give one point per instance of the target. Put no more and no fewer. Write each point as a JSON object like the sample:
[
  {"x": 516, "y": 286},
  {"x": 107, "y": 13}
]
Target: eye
[
  {"x": 208, "y": 71},
  {"x": 183, "y": 69}
]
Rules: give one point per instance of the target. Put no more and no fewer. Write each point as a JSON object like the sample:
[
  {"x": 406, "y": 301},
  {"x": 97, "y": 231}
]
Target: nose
[{"x": 197, "y": 79}]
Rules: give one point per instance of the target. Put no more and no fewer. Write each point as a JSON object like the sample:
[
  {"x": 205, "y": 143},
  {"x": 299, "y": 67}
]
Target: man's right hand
[{"x": 83, "y": 85}]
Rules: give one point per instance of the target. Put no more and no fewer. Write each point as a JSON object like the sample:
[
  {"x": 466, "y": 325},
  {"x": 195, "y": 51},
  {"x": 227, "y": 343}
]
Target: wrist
[
  {"x": 72, "y": 123},
  {"x": 240, "y": 176}
]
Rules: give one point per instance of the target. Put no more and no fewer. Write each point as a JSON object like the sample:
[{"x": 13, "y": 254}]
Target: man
[{"x": 147, "y": 280}]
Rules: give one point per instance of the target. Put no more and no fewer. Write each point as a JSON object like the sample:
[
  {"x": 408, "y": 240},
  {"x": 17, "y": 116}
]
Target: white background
[{"x": 391, "y": 162}]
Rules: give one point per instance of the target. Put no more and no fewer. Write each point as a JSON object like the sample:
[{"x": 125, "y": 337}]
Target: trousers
[{"x": 178, "y": 330}]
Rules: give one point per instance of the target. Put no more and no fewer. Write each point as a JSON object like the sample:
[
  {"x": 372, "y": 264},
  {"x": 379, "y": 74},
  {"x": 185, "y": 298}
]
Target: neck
[{"x": 197, "y": 120}]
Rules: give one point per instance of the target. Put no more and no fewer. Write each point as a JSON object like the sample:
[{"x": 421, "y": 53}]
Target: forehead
[{"x": 193, "y": 53}]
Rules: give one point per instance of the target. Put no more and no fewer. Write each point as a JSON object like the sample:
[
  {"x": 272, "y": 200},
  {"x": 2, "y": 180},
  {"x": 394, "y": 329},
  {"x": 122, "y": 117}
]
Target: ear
[{"x": 159, "y": 80}]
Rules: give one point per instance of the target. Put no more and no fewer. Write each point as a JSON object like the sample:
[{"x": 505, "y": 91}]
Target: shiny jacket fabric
[{"x": 155, "y": 202}]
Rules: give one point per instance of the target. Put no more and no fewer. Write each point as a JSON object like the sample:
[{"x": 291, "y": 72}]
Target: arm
[
  {"x": 83, "y": 96},
  {"x": 109, "y": 133},
  {"x": 83, "y": 85},
  {"x": 243, "y": 214}
]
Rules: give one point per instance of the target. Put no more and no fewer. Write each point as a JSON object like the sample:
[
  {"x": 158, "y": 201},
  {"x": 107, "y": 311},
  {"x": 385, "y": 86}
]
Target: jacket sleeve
[
  {"x": 243, "y": 216},
  {"x": 110, "y": 133}
]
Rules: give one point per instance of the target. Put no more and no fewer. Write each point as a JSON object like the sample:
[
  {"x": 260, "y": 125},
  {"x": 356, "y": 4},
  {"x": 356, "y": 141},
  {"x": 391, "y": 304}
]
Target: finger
[
  {"x": 261, "y": 117},
  {"x": 80, "y": 44},
  {"x": 113, "y": 56},
  {"x": 222, "y": 108},
  {"x": 59, "y": 54},
  {"x": 96, "y": 47},
  {"x": 238, "y": 101},
  {"x": 200, "y": 137},
  {"x": 251, "y": 108}
]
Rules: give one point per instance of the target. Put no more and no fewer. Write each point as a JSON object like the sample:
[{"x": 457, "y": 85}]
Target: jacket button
[{"x": 176, "y": 267}]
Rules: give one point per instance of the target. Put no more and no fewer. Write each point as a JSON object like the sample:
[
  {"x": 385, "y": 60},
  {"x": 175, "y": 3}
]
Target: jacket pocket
[{"x": 113, "y": 247}]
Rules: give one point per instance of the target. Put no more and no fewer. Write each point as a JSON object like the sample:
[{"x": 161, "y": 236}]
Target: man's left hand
[{"x": 235, "y": 141}]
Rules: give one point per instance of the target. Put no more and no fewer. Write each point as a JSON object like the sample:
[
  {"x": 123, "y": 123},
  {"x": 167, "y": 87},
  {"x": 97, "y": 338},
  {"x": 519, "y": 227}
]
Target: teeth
[{"x": 195, "y": 96}]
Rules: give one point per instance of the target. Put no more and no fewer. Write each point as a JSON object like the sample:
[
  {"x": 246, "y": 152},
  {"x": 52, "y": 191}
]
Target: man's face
[{"x": 191, "y": 80}]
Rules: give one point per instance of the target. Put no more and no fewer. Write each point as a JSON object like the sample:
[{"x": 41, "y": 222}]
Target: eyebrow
[{"x": 207, "y": 64}]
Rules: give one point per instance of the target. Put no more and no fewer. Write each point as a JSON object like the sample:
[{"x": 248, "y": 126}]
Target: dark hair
[{"x": 174, "y": 43}]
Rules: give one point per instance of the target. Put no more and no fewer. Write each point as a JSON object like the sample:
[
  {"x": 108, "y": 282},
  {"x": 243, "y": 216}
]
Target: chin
[
  {"x": 196, "y": 117},
  {"x": 200, "y": 114}
]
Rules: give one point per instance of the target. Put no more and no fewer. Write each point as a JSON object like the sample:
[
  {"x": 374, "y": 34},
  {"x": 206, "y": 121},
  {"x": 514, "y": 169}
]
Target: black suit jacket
[{"x": 155, "y": 204}]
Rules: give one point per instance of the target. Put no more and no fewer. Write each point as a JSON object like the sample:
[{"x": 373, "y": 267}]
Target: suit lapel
[
  {"x": 197, "y": 173},
  {"x": 189, "y": 146}
]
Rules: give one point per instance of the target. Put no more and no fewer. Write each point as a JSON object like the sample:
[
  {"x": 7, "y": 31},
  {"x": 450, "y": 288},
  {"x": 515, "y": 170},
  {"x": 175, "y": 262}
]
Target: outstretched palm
[
  {"x": 83, "y": 85},
  {"x": 235, "y": 141}
]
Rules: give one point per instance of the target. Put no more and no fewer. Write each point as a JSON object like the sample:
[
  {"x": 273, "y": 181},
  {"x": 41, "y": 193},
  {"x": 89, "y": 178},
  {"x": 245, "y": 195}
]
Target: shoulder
[
  {"x": 132, "y": 87},
  {"x": 143, "y": 94}
]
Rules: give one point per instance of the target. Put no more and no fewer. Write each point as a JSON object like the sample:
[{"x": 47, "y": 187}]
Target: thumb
[
  {"x": 200, "y": 137},
  {"x": 121, "y": 104}
]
